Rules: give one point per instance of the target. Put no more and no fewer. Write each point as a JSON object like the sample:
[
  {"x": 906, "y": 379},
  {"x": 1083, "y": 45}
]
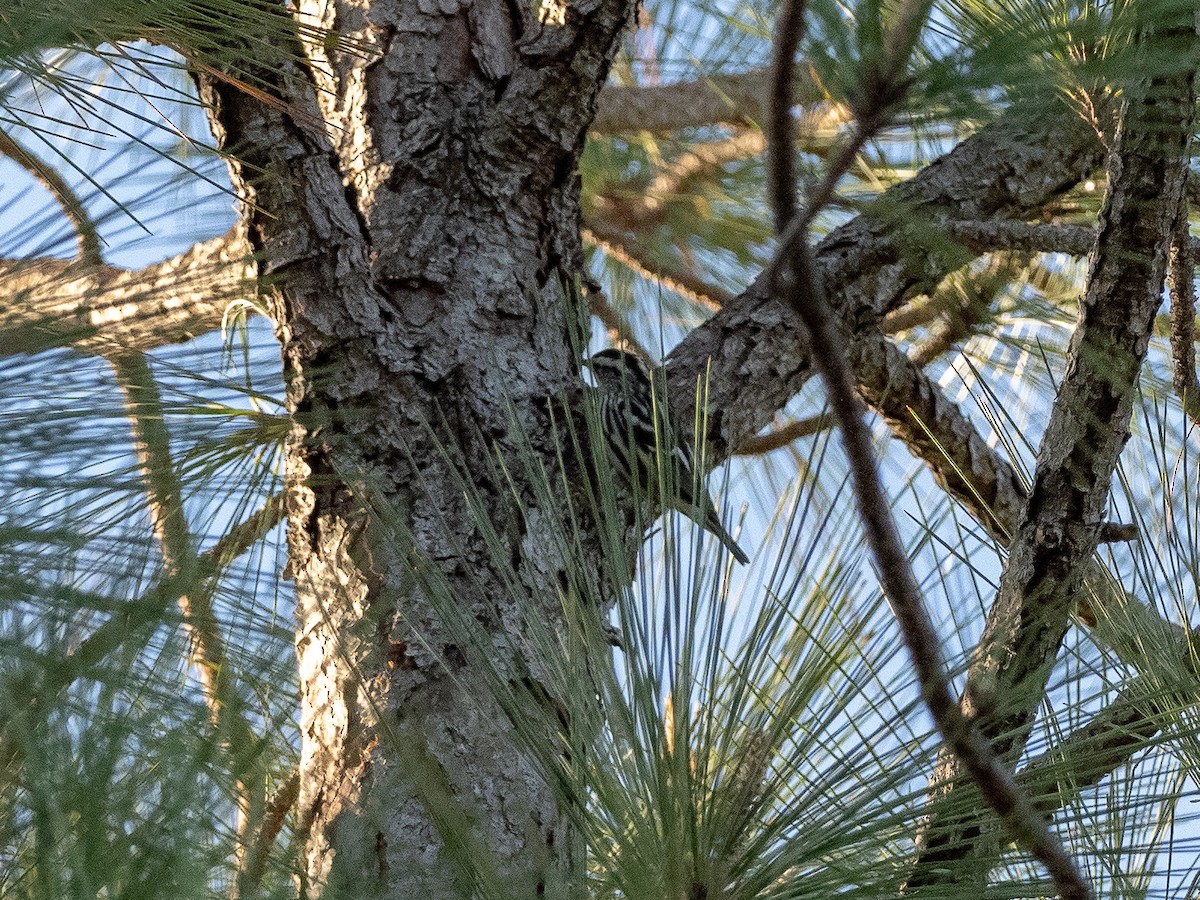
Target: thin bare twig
[
  {"x": 784, "y": 435},
  {"x": 806, "y": 293},
  {"x": 781, "y": 136},
  {"x": 678, "y": 280},
  {"x": 793, "y": 276}
]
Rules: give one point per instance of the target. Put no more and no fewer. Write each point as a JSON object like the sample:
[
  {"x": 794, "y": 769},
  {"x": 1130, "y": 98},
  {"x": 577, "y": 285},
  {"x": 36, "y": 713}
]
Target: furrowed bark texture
[
  {"x": 870, "y": 265},
  {"x": 416, "y": 240},
  {"x": 1089, "y": 425}
]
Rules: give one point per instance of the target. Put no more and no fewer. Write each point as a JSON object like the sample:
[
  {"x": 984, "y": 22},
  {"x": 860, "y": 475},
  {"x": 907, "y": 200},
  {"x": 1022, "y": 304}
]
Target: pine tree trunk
[{"x": 415, "y": 205}]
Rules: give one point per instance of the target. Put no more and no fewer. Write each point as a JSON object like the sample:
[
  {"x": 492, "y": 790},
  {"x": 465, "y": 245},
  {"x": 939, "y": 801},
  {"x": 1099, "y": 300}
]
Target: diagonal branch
[
  {"x": 699, "y": 161},
  {"x": 150, "y": 608},
  {"x": 760, "y": 357},
  {"x": 164, "y": 495},
  {"x": 785, "y": 434},
  {"x": 86, "y": 235},
  {"x": 793, "y": 276},
  {"x": 1059, "y": 527},
  {"x": 677, "y": 279},
  {"x": 1091, "y": 753}
]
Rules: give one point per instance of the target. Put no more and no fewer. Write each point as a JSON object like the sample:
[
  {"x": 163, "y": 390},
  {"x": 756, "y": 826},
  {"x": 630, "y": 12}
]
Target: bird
[{"x": 634, "y": 429}]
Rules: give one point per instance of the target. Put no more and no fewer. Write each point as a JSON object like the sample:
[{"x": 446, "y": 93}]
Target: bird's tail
[{"x": 713, "y": 523}]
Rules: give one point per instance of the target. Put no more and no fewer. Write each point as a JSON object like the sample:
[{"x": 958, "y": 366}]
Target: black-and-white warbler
[{"x": 635, "y": 429}]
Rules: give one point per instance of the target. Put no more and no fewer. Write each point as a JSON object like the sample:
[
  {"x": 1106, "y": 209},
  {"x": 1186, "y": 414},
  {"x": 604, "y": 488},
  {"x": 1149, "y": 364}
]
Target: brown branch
[
  {"x": 1180, "y": 282},
  {"x": 52, "y": 303},
  {"x": 781, "y": 130},
  {"x": 152, "y": 606},
  {"x": 1089, "y": 425},
  {"x": 1038, "y": 237},
  {"x": 254, "y": 864},
  {"x": 677, "y": 279},
  {"x": 1086, "y": 756},
  {"x": 784, "y": 435},
  {"x": 966, "y": 299},
  {"x": 164, "y": 496},
  {"x": 760, "y": 357},
  {"x": 86, "y": 235},
  {"x": 936, "y": 430},
  {"x": 615, "y": 324},
  {"x": 793, "y": 276},
  {"x": 697, "y": 162},
  {"x": 713, "y": 100},
  {"x": 164, "y": 499}
]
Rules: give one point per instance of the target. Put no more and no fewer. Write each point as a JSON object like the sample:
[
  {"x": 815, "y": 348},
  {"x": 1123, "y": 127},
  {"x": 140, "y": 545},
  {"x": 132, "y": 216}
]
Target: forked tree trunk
[{"x": 415, "y": 203}]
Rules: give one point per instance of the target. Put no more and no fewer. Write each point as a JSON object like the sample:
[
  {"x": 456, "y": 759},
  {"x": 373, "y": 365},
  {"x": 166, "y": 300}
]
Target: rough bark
[
  {"x": 1089, "y": 425},
  {"x": 870, "y": 265},
  {"x": 416, "y": 243}
]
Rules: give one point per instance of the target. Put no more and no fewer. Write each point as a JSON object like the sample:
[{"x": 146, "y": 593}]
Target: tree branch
[
  {"x": 86, "y": 235},
  {"x": 700, "y": 160},
  {"x": 677, "y": 279},
  {"x": 1180, "y": 282},
  {"x": 1088, "y": 755},
  {"x": 52, "y": 303},
  {"x": 714, "y": 100},
  {"x": 254, "y": 864},
  {"x": 869, "y": 266},
  {"x": 1059, "y": 527},
  {"x": 793, "y": 276},
  {"x": 784, "y": 435},
  {"x": 164, "y": 497}
]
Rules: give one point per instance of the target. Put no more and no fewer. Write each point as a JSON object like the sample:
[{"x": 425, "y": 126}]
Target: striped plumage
[{"x": 627, "y": 415}]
